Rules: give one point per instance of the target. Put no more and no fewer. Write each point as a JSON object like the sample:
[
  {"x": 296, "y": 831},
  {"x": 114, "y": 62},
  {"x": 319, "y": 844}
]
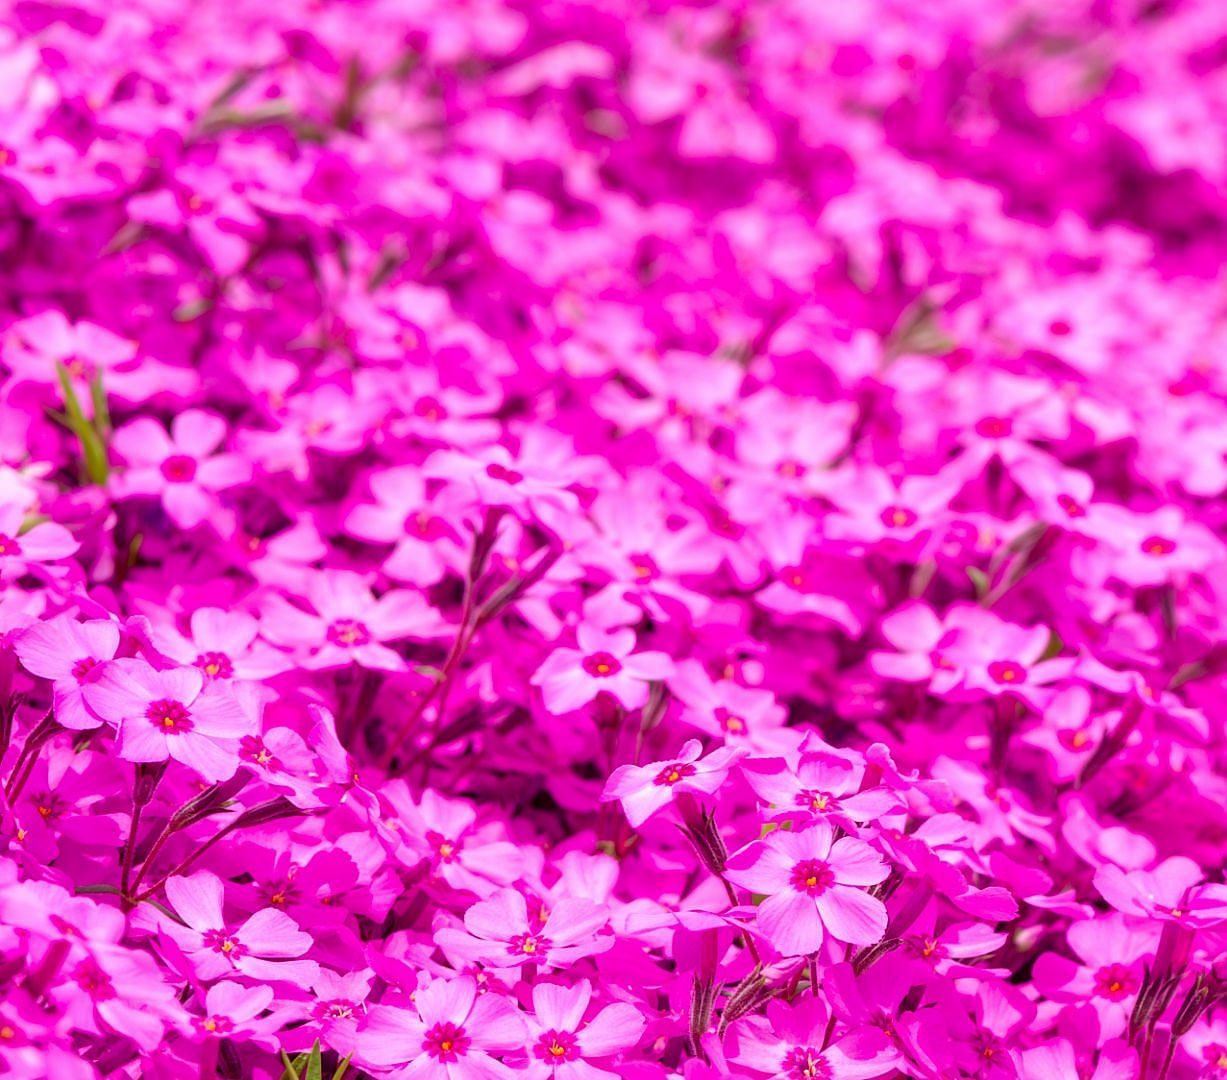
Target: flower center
[
  {"x": 94, "y": 981},
  {"x": 529, "y": 945},
  {"x": 817, "y": 801},
  {"x": 1072, "y": 507},
  {"x": 429, "y": 408},
  {"x": 1158, "y": 546},
  {"x": 644, "y": 567},
  {"x": 446, "y": 1042},
  {"x": 349, "y": 633},
  {"x": 179, "y": 468},
  {"x": 554, "y": 1046},
  {"x": 171, "y": 717},
  {"x": 806, "y": 1063},
  {"x": 994, "y": 427},
  {"x": 445, "y": 848},
  {"x": 215, "y": 664},
  {"x": 812, "y": 877},
  {"x": 9, "y": 546},
  {"x": 602, "y": 665},
  {"x": 422, "y": 525},
  {"x": 790, "y": 469},
  {"x": 1115, "y": 982},
  {"x": 731, "y": 722},
  {"x": 501, "y": 472},
  {"x": 220, "y": 941},
  {"x": 672, "y": 774},
  {"x": 1007, "y": 672},
  {"x": 898, "y": 517},
  {"x": 83, "y": 667},
  {"x": 1060, "y": 328}
]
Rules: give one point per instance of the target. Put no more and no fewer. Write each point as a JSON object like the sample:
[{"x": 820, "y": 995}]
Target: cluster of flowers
[{"x": 601, "y": 538}]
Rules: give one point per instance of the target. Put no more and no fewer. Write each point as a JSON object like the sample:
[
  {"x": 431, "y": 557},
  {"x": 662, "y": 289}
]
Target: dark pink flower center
[
  {"x": 83, "y": 667},
  {"x": 423, "y": 525},
  {"x": 556, "y": 1046},
  {"x": 429, "y": 408},
  {"x": 1158, "y": 546},
  {"x": 349, "y": 633},
  {"x": 446, "y": 849},
  {"x": 898, "y": 517},
  {"x": 216, "y": 664},
  {"x": 1007, "y": 672},
  {"x": 532, "y": 946},
  {"x": 812, "y": 877},
  {"x": 1115, "y": 982},
  {"x": 994, "y": 427},
  {"x": 94, "y": 981},
  {"x": 446, "y": 1042},
  {"x": 179, "y": 468},
  {"x": 819, "y": 802},
  {"x": 216, "y": 1025},
  {"x": 644, "y": 567},
  {"x": 9, "y": 546},
  {"x": 731, "y": 722},
  {"x": 790, "y": 470},
  {"x": 1072, "y": 507},
  {"x": 170, "y": 717},
  {"x": 672, "y": 774},
  {"x": 220, "y": 941},
  {"x": 1060, "y": 328},
  {"x": 602, "y": 665},
  {"x": 501, "y": 472},
  {"x": 806, "y": 1063}
]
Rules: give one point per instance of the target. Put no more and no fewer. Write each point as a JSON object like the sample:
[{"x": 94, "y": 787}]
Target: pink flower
[
  {"x": 1171, "y": 892},
  {"x": 814, "y": 888},
  {"x": 501, "y": 933},
  {"x": 562, "y": 1042},
  {"x": 21, "y": 547},
  {"x": 262, "y": 947},
  {"x": 173, "y": 713},
  {"x": 603, "y": 663},
  {"x": 645, "y": 789},
  {"x": 349, "y": 625},
  {"x": 181, "y": 469},
  {"x": 449, "y": 1033},
  {"x": 70, "y": 653}
]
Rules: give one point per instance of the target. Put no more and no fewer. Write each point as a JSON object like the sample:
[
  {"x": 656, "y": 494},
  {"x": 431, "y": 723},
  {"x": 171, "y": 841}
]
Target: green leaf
[
  {"x": 191, "y": 311},
  {"x": 980, "y": 580},
  {"x": 93, "y": 449},
  {"x": 102, "y": 414},
  {"x": 342, "y": 1067},
  {"x": 292, "y": 1068},
  {"x": 315, "y": 1064}
]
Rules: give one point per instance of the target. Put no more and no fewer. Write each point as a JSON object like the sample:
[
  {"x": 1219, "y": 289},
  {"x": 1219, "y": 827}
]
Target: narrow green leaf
[
  {"x": 315, "y": 1064},
  {"x": 102, "y": 413},
  {"x": 291, "y": 1071},
  {"x": 342, "y": 1067},
  {"x": 93, "y": 450}
]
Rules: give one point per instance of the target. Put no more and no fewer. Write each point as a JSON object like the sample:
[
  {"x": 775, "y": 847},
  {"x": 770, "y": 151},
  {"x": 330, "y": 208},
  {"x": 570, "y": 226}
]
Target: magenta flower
[
  {"x": 1171, "y": 892},
  {"x": 814, "y": 888},
  {"x": 181, "y": 469},
  {"x": 22, "y": 547},
  {"x": 173, "y": 714},
  {"x": 644, "y": 789},
  {"x": 349, "y": 625},
  {"x": 603, "y": 663},
  {"x": 262, "y": 947},
  {"x": 500, "y": 932},
  {"x": 70, "y": 653},
  {"x": 794, "y": 1043},
  {"x": 562, "y": 1042},
  {"x": 449, "y": 1033}
]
